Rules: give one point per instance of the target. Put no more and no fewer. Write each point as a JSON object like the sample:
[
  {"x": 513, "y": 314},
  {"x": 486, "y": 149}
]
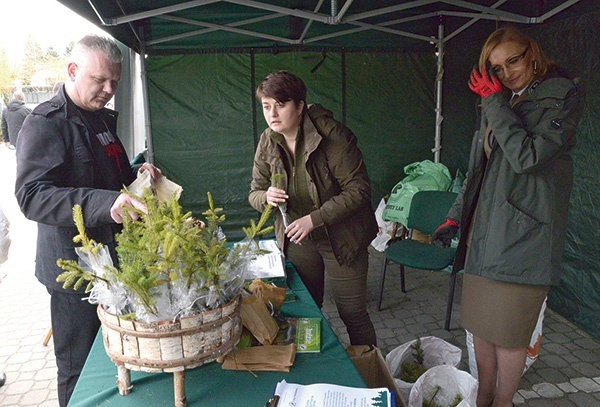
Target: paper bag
[
  {"x": 279, "y": 358},
  {"x": 257, "y": 319},
  {"x": 372, "y": 367},
  {"x": 268, "y": 292},
  {"x": 163, "y": 187}
]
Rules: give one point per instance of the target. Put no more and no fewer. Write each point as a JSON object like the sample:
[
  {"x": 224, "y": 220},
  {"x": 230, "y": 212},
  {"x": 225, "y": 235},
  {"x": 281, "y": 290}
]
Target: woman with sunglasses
[{"x": 512, "y": 210}]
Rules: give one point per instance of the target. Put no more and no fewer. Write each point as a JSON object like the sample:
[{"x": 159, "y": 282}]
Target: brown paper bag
[
  {"x": 372, "y": 367},
  {"x": 258, "y": 320},
  {"x": 421, "y": 237},
  {"x": 276, "y": 358},
  {"x": 268, "y": 292}
]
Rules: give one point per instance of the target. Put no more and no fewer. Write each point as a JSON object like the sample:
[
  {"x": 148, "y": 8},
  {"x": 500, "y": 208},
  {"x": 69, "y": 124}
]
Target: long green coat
[{"x": 515, "y": 202}]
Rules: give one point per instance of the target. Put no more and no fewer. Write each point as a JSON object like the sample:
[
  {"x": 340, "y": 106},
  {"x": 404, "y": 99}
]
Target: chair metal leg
[
  {"x": 450, "y": 301},
  {"x": 402, "y": 285},
  {"x": 381, "y": 282}
]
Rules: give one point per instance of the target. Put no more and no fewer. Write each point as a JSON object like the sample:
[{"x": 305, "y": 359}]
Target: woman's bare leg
[
  {"x": 511, "y": 362},
  {"x": 487, "y": 368}
]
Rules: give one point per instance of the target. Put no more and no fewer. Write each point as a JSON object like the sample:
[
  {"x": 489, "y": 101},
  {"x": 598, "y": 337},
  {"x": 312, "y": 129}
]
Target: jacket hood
[
  {"x": 15, "y": 105},
  {"x": 318, "y": 112}
]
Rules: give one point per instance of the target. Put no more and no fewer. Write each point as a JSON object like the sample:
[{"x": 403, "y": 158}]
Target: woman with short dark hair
[{"x": 309, "y": 165}]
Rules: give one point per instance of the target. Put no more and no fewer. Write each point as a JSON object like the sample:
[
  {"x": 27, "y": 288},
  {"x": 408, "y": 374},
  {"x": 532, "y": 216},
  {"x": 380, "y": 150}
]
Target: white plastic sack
[
  {"x": 436, "y": 352},
  {"x": 533, "y": 350},
  {"x": 450, "y": 381},
  {"x": 385, "y": 229},
  {"x": 4, "y": 237}
]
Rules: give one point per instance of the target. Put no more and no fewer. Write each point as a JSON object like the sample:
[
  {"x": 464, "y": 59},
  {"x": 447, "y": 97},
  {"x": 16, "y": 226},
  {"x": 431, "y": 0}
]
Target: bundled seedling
[{"x": 170, "y": 264}]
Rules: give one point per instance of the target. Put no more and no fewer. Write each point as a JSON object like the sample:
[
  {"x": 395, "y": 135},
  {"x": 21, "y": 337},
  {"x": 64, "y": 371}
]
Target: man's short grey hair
[
  {"x": 19, "y": 95},
  {"x": 97, "y": 43}
]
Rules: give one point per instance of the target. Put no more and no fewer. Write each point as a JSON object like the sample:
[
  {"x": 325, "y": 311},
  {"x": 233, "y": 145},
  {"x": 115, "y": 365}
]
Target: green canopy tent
[{"x": 394, "y": 71}]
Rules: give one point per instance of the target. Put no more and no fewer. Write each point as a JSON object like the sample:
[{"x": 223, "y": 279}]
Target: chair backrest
[{"x": 428, "y": 210}]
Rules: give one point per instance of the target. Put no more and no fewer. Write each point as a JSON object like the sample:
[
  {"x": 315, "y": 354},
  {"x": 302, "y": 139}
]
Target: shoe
[
  {"x": 2, "y": 379},
  {"x": 11, "y": 147}
]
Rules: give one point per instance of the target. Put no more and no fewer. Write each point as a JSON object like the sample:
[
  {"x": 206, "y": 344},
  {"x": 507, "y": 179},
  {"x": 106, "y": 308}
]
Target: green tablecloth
[{"x": 209, "y": 385}]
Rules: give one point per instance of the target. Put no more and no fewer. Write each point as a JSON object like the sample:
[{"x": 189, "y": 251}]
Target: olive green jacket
[
  {"x": 338, "y": 183},
  {"x": 515, "y": 203}
]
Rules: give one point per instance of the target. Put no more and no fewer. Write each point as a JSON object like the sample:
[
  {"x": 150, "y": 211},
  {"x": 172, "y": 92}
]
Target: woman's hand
[
  {"x": 275, "y": 196},
  {"x": 483, "y": 84},
  {"x": 155, "y": 173},
  {"x": 299, "y": 229}
]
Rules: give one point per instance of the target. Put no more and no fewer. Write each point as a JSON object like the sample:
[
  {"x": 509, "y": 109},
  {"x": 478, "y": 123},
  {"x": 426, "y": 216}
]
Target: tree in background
[
  {"x": 39, "y": 67},
  {"x": 32, "y": 61},
  {"x": 7, "y": 77}
]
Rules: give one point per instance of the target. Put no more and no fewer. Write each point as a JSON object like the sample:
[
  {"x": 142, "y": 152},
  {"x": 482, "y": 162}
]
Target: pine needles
[{"x": 165, "y": 247}]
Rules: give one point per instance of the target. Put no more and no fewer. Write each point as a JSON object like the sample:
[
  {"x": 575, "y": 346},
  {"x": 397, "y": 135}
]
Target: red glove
[
  {"x": 444, "y": 233},
  {"x": 483, "y": 85}
]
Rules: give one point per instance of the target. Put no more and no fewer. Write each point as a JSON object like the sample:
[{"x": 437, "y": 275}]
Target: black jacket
[
  {"x": 56, "y": 169},
  {"x": 13, "y": 117}
]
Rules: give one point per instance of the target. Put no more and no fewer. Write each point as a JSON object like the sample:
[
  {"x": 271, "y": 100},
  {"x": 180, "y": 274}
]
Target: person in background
[
  {"x": 13, "y": 116},
  {"x": 68, "y": 153},
  {"x": 4, "y": 247},
  {"x": 512, "y": 209},
  {"x": 57, "y": 87},
  {"x": 4, "y": 139},
  {"x": 310, "y": 166}
]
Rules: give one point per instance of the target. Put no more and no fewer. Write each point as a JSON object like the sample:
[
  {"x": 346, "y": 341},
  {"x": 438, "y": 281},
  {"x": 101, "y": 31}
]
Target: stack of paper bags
[{"x": 271, "y": 358}]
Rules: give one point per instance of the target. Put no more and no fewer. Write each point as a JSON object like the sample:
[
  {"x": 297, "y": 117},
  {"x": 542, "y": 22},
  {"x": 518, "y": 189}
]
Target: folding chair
[{"x": 428, "y": 210}]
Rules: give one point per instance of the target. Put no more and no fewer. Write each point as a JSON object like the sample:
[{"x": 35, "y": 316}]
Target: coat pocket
[
  {"x": 517, "y": 242},
  {"x": 83, "y": 153}
]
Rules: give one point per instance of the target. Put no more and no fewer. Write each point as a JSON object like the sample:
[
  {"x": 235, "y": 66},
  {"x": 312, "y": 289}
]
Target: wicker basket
[{"x": 168, "y": 346}]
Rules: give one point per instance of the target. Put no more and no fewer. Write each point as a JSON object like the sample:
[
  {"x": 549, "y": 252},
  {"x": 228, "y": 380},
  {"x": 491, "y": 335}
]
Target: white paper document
[
  {"x": 331, "y": 395},
  {"x": 268, "y": 265}
]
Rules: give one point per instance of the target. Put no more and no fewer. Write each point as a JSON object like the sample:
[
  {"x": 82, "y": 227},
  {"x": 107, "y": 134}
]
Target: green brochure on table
[
  {"x": 304, "y": 332},
  {"x": 308, "y": 335}
]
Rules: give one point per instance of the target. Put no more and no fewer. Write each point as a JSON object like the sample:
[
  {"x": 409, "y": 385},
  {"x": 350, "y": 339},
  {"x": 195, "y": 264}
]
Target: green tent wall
[{"x": 206, "y": 121}]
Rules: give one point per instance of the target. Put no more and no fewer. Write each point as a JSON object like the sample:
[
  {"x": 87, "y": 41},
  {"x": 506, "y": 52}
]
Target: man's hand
[
  {"x": 117, "y": 211},
  {"x": 444, "y": 233},
  {"x": 483, "y": 85},
  {"x": 155, "y": 173},
  {"x": 299, "y": 229}
]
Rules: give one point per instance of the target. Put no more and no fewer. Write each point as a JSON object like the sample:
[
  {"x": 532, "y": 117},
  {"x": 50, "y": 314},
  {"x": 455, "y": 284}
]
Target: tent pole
[
  {"x": 148, "y": 127},
  {"x": 438, "y": 94}
]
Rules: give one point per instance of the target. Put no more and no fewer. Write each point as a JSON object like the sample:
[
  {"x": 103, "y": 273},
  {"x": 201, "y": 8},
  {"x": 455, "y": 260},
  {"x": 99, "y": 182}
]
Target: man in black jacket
[
  {"x": 68, "y": 153},
  {"x": 13, "y": 117}
]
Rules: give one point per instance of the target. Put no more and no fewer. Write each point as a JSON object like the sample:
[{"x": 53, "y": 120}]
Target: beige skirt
[{"x": 500, "y": 312}]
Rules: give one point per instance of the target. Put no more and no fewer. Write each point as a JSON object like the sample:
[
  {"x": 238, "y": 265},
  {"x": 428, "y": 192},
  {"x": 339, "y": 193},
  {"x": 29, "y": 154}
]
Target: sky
[{"x": 47, "y": 21}]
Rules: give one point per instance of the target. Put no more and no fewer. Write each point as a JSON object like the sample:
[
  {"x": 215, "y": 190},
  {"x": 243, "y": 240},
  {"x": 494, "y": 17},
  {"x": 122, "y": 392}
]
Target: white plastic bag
[
  {"x": 533, "y": 350},
  {"x": 387, "y": 230},
  {"x": 445, "y": 382},
  {"x": 436, "y": 352},
  {"x": 4, "y": 237}
]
